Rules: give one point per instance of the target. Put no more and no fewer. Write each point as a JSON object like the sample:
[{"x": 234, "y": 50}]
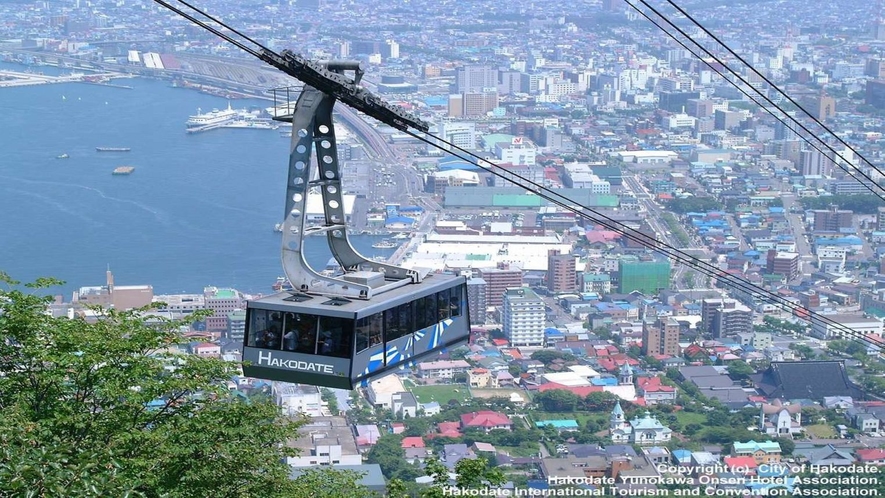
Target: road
[
  {"x": 660, "y": 227},
  {"x": 797, "y": 225}
]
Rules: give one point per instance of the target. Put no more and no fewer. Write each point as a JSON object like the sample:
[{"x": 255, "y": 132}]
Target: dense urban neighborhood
[{"x": 675, "y": 266}]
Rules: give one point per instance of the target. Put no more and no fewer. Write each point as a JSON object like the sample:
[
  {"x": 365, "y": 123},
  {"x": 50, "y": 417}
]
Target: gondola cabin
[{"x": 343, "y": 343}]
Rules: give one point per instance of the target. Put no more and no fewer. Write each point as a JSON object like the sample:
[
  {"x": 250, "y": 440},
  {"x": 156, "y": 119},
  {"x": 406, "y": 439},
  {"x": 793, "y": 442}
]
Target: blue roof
[
  {"x": 604, "y": 381},
  {"x": 436, "y": 101},
  {"x": 559, "y": 424},
  {"x": 552, "y": 331}
]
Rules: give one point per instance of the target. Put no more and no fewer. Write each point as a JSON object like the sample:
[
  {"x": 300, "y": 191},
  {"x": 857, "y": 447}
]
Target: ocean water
[{"x": 198, "y": 210}]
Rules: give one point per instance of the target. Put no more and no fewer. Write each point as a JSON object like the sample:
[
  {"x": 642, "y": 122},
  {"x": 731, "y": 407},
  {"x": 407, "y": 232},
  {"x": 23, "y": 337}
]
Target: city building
[
  {"x": 442, "y": 369},
  {"x": 561, "y": 275},
  {"x": 644, "y": 276},
  {"x": 783, "y": 263},
  {"x": 832, "y": 220},
  {"x": 833, "y": 326},
  {"x": 647, "y": 430},
  {"x": 325, "y": 441},
  {"x": 498, "y": 280},
  {"x": 712, "y": 318},
  {"x": 236, "y": 325},
  {"x": 119, "y": 297},
  {"x": 222, "y": 302},
  {"x": 297, "y": 399},
  {"x": 476, "y": 300},
  {"x": 761, "y": 452},
  {"x": 813, "y": 162},
  {"x": 523, "y": 317},
  {"x": 662, "y": 337}
]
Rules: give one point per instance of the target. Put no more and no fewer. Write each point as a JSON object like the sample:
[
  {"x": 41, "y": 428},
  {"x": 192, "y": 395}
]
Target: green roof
[
  {"x": 477, "y": 257},
  {"x": 753, "y": 446},
  {"x": 509, "y": 200}
]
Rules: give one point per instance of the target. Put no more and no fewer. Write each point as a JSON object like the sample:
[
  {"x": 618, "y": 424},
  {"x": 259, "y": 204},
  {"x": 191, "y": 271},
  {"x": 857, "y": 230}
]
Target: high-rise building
[
  {"x": 880, "y": 219},
  {"x": 479, "y": 103},
  {"x": 722, "y": 316},
  {"x": 833, "y": 220},
  {"x": 783, "y": 263},
  {"x": 825, "y": 107},
  {"x": 644, "y": 276},
  {"x": 475, "y": 78},
  {"x": 731, "y": 321},
  {"x": 498, "y": 280},
  {"x": 523, "y": 317},
  {"x": 460, "y": 133},
  {"x": 661, "y": 337},
  {"x": 561, "y": 270},
  {"x": 476, "y": 300},
  {"x": 390, "y": 50},
  {"x": 875, "y": 94},
  {"x": 813, "y": 162},
  {"x": 236, "y": 325},
  {"x": 222, "y": 302}
]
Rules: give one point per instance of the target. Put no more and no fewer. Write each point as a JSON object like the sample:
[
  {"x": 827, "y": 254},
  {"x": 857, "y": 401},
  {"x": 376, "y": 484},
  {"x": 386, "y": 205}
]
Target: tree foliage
[
  {"x": 112, "y": 408},
  {"x": 859, "y": 203},
  {"x": 693, "y": 205}
]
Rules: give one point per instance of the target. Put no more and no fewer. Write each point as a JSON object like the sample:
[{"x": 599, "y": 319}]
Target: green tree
[
  {"x": 112, "y": 409},
  {"x": 557, "y": 400},
  {"x": 389, "y": 454},
  {"x": 787, "y": 445},
  {"x": 331, "y": 401},
  {"x": 740, "y": 369},
  {"x": 475, "y": 473}
]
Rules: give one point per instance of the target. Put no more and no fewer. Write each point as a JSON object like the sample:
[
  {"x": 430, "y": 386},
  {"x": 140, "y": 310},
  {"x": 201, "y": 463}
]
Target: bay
[{"x": 198, "y": 210}]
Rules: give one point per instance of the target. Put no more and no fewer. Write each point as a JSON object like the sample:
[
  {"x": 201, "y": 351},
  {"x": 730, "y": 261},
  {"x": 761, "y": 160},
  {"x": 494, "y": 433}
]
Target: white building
[
  {"x": 778, "y": 420},
  {"x": 380, "y": 392},
  {"x": 325, "y": 441},
  {"x": 519, "y": 151},
  {"x": 580, "y": 175},
  {"x": 442, "y": 369},
  {"x": 644, "y": 431},
  {"x": 524, "y": 317},
  {"x": 662, "y": 157},
  {"x": 460, "y": 133},
  {"x": 835, "y": 325},
  {"x": 295, "y": 399},
  {"x": 681, "y": 120}
]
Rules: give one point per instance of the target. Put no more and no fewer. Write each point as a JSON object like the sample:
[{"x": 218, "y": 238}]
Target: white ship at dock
[{"x": 228, "y": 118}]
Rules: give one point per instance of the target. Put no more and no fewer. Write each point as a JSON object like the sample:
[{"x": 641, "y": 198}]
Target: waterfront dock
[{"x": 17, "y": 78}]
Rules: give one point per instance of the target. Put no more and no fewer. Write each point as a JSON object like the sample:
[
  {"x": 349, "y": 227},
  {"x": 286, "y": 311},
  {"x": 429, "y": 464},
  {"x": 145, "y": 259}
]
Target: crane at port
[{"x": 373, "y": 317}]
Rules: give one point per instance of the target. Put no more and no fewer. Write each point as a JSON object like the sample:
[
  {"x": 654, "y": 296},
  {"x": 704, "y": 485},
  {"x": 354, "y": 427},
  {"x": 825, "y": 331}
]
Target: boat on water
[
  {"x": 278, "y": 228},
  {"x": 112, "y": 149},
  {"x": 63, "y": 156},
  {"x": 282, "y": 284},
  {"x": 400, "y": 236},
  {"x": 255, "y": 124},
  {"x": 123, "y": 170},
  {"x": 385, "y": 244},
  {"x": 215, "y": 117}
]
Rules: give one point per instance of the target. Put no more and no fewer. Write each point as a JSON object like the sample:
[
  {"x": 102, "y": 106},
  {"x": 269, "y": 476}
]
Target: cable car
[
  {"x": 343, "y": 343},
  {"x": 370, "y": 318}
]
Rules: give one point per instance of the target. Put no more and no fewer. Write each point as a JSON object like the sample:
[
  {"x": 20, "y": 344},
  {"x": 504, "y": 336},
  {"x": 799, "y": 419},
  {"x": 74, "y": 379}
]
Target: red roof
[
  {"x": 499, "y": 342},
  {"x": 485, "y": 418},
  {"x": 653, "y": 385},
  {"x": 870, "y": 454},
  {"x": 449, "y": 429},
  {"x": 412, "y": 442},
  {"x": 746, "y": 462}
]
